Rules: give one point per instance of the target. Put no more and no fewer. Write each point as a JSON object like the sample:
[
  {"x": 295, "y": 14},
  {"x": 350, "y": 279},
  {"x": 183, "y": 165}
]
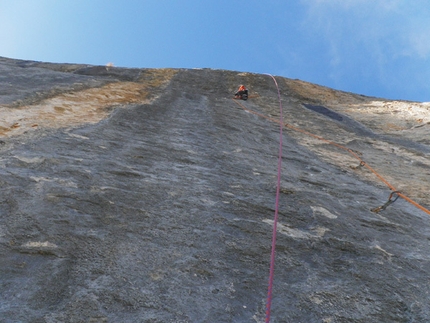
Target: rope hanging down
[
  {"x": 275, "y": 222},
  {"x": 393, "y": 196}
]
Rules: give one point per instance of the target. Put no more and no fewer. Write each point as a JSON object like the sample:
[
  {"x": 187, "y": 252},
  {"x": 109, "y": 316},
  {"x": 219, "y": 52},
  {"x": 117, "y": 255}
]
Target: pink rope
[{"x": 275, "y": 222}]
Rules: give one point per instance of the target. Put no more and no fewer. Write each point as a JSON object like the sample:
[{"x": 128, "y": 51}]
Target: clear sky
[{"x": 372, "y": 47}]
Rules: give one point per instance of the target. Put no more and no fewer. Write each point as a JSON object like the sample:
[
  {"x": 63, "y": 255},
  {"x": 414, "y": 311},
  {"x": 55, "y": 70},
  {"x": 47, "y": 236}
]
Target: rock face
[{"x": 148, "y": 195}]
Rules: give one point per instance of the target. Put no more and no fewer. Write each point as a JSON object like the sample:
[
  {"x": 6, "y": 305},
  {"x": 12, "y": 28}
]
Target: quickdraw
[{"x": 390, "y": 201}]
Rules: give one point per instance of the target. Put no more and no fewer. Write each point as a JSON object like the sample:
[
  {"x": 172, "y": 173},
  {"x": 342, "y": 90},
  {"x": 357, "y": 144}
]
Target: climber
[{"x": 242, "y": 93}]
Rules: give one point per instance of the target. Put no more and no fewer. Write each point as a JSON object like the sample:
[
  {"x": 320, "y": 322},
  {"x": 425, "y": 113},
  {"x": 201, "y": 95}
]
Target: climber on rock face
[{"x": 242, "y": 92}]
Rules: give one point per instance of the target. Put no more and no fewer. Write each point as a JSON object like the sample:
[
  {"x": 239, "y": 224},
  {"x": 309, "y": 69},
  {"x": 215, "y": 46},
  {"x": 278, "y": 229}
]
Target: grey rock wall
[{"x": 149, "y": 197}]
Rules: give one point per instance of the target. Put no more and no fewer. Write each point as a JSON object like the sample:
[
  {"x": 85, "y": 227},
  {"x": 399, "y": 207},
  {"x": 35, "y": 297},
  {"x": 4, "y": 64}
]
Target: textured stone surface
[{"x": 142, "y": 195}]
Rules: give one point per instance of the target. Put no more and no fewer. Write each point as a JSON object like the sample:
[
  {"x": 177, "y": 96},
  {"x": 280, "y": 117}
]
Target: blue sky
[{"x": 372, "y": 47}]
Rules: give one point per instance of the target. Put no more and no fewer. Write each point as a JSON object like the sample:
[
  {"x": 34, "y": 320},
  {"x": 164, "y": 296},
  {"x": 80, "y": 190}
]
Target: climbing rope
[
  {"x": 392, "y": 198},
  {"x": 352, "y": 153},
  {"x": 275, "y": 221}
]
